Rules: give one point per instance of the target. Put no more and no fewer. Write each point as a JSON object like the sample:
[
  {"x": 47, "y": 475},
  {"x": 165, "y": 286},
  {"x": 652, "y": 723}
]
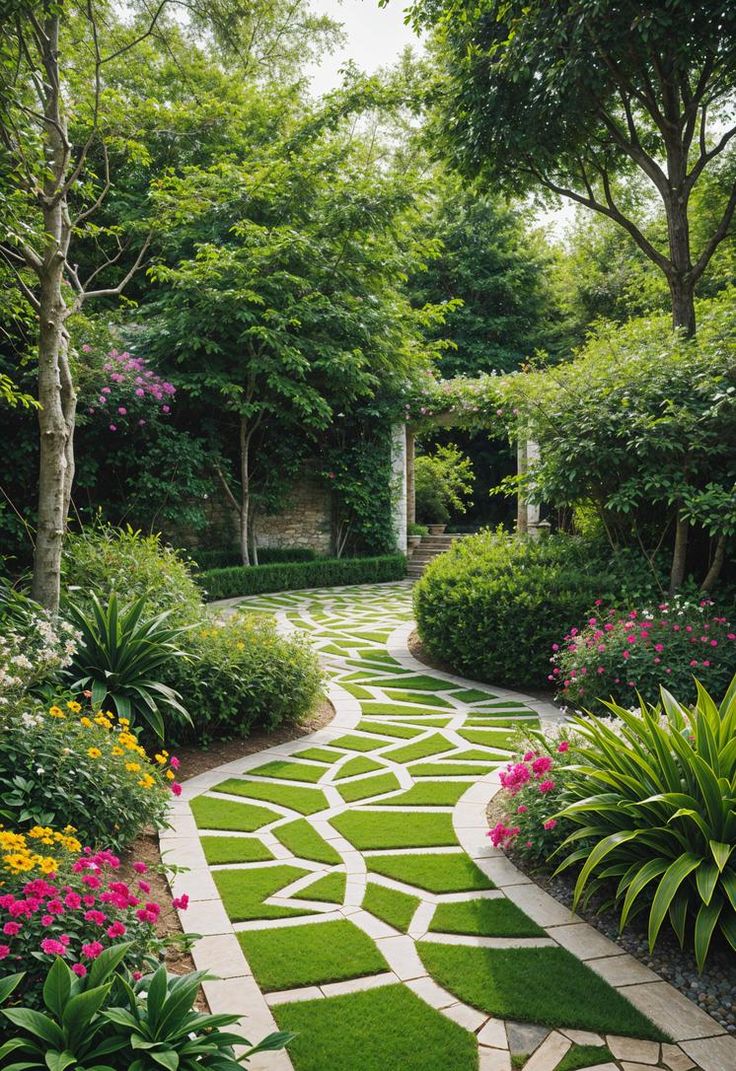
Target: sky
[{"x": 376, "y": 36}]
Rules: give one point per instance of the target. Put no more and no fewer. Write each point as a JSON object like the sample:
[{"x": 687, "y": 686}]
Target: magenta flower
[{"x": 546, "y": 786}]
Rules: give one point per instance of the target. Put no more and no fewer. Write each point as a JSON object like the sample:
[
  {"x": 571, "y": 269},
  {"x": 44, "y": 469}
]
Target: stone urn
[
  {"x": 412, "y": 542},
  {"x": 436, "y": 529}
]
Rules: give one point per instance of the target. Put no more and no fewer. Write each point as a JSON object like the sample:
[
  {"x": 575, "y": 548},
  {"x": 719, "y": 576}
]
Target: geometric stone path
[{"x": 349, "y": 873}]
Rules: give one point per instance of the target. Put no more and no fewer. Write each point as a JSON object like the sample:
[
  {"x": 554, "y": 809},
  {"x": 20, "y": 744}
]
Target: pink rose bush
[
  {"x": 533, "y": 792},
  {"x": 618, "y": 653},
  {"x": 126, "y": 394},
  {"x": 77, "y": 912}
]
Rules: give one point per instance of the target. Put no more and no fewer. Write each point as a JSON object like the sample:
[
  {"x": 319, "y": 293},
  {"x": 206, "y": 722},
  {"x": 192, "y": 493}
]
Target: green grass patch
[
  {"x": 432, "y": 745},
  {"x": 310, "y": 955},
  {"x": 235, "y": 850},
  {"x": 370, "y": 786},
  {"x": 404, "y": 732},
  {"x": 384, "y": 1029},
  {"x": 287, "y": 771},
  {"x": 393, "y": 829},
  {"x": 319, "y": 754},
  {"x": 472, "y": 695},
  {"x": 356, "y": 691},
  {"x": 417, "y": 698},
  {"x": 227, "y": 814},
  {"x": 243, "y": 891},
  {"x": 476, "y": 755},
  {"x": 303, "y": 840},
  {"x": 330, "y": 889},
  {"x": 447, "y": 769},
  {"x": 427, "y": 722},
  {"x": 487, "y": 918},
  {"x": 391, "y": 710},
  {"x": 429, "y": 794},
  {"x": 538, "y": 985},
  {"x": 489, "y": 737},
  {"x": 304, "y": 800},
  {"x": 390, "y": 905},
  {"x": 371, "y": 637},
  {"x": 420, "y": 683},
  {"x": 580, "y": 1056},
  {"x": 355, "y": 743},
  {"x": 442, "y": 873},
  {"x": 359, "y": 765}
]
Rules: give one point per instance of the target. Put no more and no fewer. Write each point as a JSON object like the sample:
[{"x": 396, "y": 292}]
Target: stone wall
[{"x": 307, "y": 522}]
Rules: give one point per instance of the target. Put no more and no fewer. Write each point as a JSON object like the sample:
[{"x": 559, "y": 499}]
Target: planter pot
[
  {"x": 412, "y": 542},
  {"x": 436, "y": 529}
]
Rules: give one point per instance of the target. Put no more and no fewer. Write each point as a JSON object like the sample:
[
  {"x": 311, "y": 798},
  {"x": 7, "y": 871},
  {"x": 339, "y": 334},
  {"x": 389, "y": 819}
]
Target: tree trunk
[
  {"x": 679, "y": 555},
  {"x": 683, "y": 305},
  {"x": 682, "y": 286},
  {"x": 245, "y": 435},
  {"x": 253, "y": 538},
  {"x": 716, "y": 565}
]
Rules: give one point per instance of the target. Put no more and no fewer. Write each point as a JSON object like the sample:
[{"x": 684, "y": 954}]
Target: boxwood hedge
[{"x": 290, "y": 576}]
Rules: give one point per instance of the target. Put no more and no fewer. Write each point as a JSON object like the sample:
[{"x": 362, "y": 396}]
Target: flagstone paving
[{"x": 344, "y": 887}]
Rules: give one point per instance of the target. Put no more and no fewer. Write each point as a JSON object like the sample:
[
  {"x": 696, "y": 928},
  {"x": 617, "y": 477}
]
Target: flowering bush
[
  {"x": 621, "y": 652},
  {"x": 131, "y": 394},
  {"x": 533, "y": 786},
  {"x": 64, "y": 766},
  {"x": 74, "y": 906},
  {"x": 34, "y": 647}
]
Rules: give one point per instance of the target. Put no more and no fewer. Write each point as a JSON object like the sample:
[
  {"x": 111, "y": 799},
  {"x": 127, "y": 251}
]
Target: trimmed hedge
[
  {"x": 493, "y": 604},
  {"x": 290, "y": 576},
  {"x": 225, "y": 557}
]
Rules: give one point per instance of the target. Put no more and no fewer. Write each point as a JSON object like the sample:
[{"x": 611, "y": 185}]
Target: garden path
[{"x": 344, "y": 887}]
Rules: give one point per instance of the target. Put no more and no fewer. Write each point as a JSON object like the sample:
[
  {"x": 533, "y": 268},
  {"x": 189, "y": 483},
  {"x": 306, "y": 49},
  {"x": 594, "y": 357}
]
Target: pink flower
[
  {"x": 113, "y": 427},
  {"x": 73, "y": 901},
  {"x": 181, "y": 903},
  {"x": 563, "y": 746},
  {"x": 144, "y": 886},
  {"x": 528, "y": 756},
  {"x": 91, "y": 881},
  {"x": 165, "y": 409},
  {"x": 176, "y": 788},
  {"x": 137, "y": 975},
  {"x": 97, "y": 917},
  {"x": 174, "y": 763},
  {"x": 79, "y": 969},
  {"x": 542, "y": 765},
  {"x": 140, "y": 868},
  {"x": 52, "y": 947},
  {"x": 105, "y": 390},
  {"x": 4, "y": 951},
  {"x": 122, "y": 410},
  {"x": 659, "y": 647},
  {"x": 10, "y": 929},
  {"x": 550, "y": 823},
  {"x": 116, "y": 930},
  {"x": 140, "y": 393},
  {"x": 47, "y": 920},
  {"x": 92, "y": 950},
  {"x": 546, "y": 786}
]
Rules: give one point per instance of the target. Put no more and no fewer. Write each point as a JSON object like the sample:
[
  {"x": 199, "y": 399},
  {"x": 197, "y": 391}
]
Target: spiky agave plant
[
  {"x": 120, "y": 657},
  {"x": 655, "y": 792}
]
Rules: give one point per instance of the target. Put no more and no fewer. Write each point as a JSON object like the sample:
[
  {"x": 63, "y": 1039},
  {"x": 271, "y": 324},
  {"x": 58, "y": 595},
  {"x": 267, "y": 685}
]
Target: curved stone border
[{"x": 700, "y": 1039}]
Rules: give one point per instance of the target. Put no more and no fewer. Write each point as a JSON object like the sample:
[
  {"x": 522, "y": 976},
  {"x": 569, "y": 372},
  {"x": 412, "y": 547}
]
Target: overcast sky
[{"x": 376, "y": 36}]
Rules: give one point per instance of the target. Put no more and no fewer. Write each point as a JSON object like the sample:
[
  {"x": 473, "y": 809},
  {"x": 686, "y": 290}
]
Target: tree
[
  {"x": 568, "y": 98},
  {"x": 55, "y": 132}
]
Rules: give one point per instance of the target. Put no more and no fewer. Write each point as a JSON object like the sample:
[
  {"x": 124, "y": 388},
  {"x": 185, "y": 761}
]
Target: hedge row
[
  {"x": 290, "y": 576},
  {"x": 225, "y": 557}
]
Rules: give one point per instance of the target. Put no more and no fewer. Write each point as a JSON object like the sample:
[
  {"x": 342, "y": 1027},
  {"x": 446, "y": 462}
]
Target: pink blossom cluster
[
  {"x": 529, "y": 781},
  {"x": 132, "y": 395},
  {"x": 80, "y": 914}
]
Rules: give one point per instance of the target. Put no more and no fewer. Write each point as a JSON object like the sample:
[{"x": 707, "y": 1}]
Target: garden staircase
[{"x": 429, "y": 548}]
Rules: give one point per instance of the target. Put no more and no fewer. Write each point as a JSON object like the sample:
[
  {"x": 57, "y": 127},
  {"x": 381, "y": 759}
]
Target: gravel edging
[{"x": 714, "y": 991}]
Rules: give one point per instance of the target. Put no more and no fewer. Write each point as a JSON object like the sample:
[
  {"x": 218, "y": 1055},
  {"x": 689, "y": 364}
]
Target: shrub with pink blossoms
[
  {"x": 618, "y": 653},
  {"x": 126, "y": 394},
  {"x": 533, "y": 791},
  {"x": 77, "y": 914}
]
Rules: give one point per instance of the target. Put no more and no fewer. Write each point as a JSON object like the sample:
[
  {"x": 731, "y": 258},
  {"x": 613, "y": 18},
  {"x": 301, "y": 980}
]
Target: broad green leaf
[{"x": 666, "y": 890}]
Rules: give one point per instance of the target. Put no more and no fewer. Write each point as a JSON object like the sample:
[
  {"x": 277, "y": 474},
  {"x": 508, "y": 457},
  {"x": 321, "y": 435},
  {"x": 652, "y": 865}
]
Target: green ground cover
[
  {"x": 235, "y": 850},
  {"x": 243, "y": 891},
  {"x": 405, "y": 732},
  {"x": 429, "y": 794},
  {"x": 486, "y": 918},
  {"x": 392, "y": 829},
  {"x": 330, "y": 889},
  {"x": 581, "y": 1056},
  {"x": 304, "y": 800},
  {"x": 422, "y": 749},
  {"x": 390, "y": 905},
  {"x": 211, "y": 813},
  {"x": 437, "y": 873},
  {"x": 356, "y": 743},
  {"x": 369, "y": 786},
  {"x": 287, "y": 771},
  {"x": 360, "y": 765},
  {"x": 303, "y": 840}
]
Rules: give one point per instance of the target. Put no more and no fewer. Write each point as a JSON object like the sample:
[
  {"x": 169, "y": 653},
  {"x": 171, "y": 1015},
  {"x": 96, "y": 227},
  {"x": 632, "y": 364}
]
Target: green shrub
[
  {"x": 493, "y": 605},
  {"x": 227, "y": 556},
  {"x": 244, "y": 674},
  {"x": 63, "y": 766},
  {"x": 108, "y": 560},
  {"x": 35, "y": 646},
  {"x": 443, "y": 483},
  {"x": 327, "y": 572},
  {"x": 120, "y": 657},
  {"x": 655, "y": 790},
  {"x": 622, "y": 653}
]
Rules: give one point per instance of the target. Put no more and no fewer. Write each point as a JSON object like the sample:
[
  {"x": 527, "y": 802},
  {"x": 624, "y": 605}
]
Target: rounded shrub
[
  {"x": 493, "y": 604},
  {"x": 243, "y": 674}
]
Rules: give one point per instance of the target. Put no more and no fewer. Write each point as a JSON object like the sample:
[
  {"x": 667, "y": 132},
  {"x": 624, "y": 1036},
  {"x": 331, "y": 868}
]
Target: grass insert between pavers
[
  {"x": 448, "y": 769},
  {"x": 316, "y": 954},
  {"x": 485, "y": 918},
  {"x": 421, "y": 683},
  {"x": 384, "y": 1029},
  {"x": 429, "y": 794},
  {"x": 392, "y": 710},
  {"x": 369, "y": 786},
  {"x": 330, "y": 889},
  {"x": 318, "y": 754},
  {"x": 296, "y": 798},
  {"x": 390, "y": 905},
  {"x": 234, "y": 850},
  {"x": 472, "y": 695},
  {"x": 418, "y": 698},
  {"x": 422, "y": 749},
  {"x": 359, "y": 765},
  {"x": 488, "y": 737},
  {"x": 210, "y": 813},
  {"x": 287, "y": 771},
  {"x": 538, "y": 985},
  {"x": 404, "y": 732},
  {"x": 357, "y": 743},
  {"x": 582, "y": 1056},
  {"x": 394, "y": 829},
  {"x": 301, "y": 838},
  {"x": 443, "y": 872},
  {"x": 243, "y": 891}
]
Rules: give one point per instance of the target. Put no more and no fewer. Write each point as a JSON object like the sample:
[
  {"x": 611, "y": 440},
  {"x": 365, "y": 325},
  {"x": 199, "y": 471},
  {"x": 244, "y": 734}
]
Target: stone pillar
[
  {"x": 398, "y": 489},
  {"x": 411, "y": 500},
  {"x": 532, "y": 509},
  {"x": 521, "y": 468}
]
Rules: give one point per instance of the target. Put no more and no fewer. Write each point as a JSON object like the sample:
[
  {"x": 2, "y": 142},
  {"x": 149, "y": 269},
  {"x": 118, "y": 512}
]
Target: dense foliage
[
  {"x": 493, "y": 605},
  {"x": 443, "y": 483},
  {"x": 257, "y": 579},
  {"x": 654, "y": 790}
]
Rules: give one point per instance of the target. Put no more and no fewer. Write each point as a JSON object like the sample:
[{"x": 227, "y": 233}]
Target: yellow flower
[
  {"x": 56, "y": 712},
  {"x": 86, "y": 722},
  {"x": 104, "y": 721},
  {"x": 160, "y": 759},
  {"x": 147, "y": 781},
  {"x": 124, "y": 722},
  {"x": 117, "y": 751},
  {"x": 73, "y": 706},
  {"x": 48, "y": 865},
  {"x": 170, "y": 775},
  {"x": 94, "y": 752},
  {"x": 132, "y": 767}
]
